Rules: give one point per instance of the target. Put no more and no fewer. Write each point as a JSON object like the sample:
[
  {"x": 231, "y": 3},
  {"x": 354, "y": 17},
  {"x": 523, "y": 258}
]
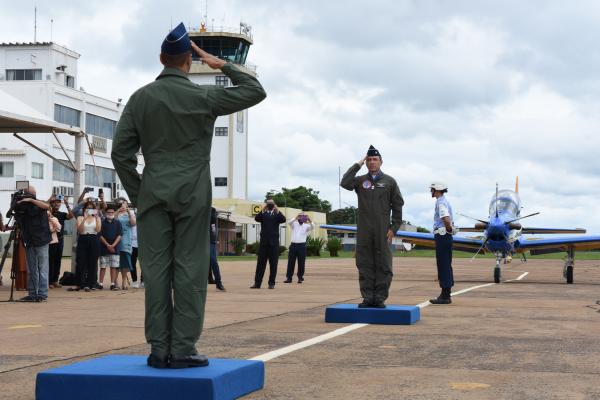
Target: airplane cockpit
[{"x": 507, "y": 202}]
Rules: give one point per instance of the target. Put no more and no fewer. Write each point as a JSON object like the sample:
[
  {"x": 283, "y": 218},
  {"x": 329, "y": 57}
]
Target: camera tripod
[{"x": 14, "y": 233}]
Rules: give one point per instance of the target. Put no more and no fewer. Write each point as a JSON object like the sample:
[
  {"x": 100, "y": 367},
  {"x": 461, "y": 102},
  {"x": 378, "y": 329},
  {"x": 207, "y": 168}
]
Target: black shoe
[
  {"x": 365, "y": 304},
  {"x": 288, "y": 280},
  {"x": 157, "y": 362},
  {"x": 42, "y": 299},
  {"x": 272, "y": 286},
  {"x": 300, "y": 280},
  {"x": 220, "y": 287},
  {"x": 28, "y": 299},
  {"x": 196, "y": 360},
  {"x": 441, "y": 300},
  {"x": 211, "y": 282},
  {"x": 378, "y": 304},
  {"x": 255, "y": 286},
  {"x": 98, "y": 286}
]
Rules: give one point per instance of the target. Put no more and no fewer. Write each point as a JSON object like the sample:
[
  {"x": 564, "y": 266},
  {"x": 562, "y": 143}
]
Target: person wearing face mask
[
  {"x": 126, "y": 217},
  {"x": 110, "y": 237},
  {"x": 35, "y": 232},
  {"x": 88, "y": 247},
  {"x": 378, "y": 197},
  {"x": 270, "y": 218},
  {"x": 301, "y": 227}
]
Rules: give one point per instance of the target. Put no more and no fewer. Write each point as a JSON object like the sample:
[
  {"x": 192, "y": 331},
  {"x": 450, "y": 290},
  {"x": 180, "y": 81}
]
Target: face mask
[{"x": 270, "y": 206}]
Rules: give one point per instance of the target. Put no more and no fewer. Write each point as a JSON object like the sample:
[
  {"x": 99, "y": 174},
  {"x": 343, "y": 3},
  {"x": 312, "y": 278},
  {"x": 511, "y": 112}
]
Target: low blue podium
[
  {"x": 390, "y": 315},
  {"x": 128, "y": 377}
]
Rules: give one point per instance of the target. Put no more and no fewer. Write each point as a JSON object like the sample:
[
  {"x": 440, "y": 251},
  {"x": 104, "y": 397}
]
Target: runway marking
[
  {"x": 24, "y": 326},
  {"x": 468, "y": 385},
  {"x": 318, "y": 339},
  {"x": 349, "y": 328}
]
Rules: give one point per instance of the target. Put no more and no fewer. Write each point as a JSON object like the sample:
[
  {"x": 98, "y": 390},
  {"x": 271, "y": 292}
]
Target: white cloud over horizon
[{"x": 472, "y": 93}]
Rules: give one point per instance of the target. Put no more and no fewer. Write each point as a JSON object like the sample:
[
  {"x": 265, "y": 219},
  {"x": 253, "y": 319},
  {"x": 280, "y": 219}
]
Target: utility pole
[{"x": 339, "y": 187}]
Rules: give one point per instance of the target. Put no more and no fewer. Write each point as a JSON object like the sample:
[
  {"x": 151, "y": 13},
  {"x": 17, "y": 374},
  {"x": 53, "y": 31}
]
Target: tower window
[
  {"x": 221, "y": 131},
  {"x": 23, "y": 74},
  {"x": 220, "y": 181},
  {"x": 69, "y": 81},
  {"x": 221, "y": 80},
  {"x": 37, "y": 170}
]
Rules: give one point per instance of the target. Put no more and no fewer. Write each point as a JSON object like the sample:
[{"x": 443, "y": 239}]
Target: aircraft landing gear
[
  {"x": 569, "y": 263},
  {"x": 497, "y": 273}
]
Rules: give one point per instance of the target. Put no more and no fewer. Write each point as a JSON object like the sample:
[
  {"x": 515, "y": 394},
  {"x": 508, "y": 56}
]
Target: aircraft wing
[
  {"x": 420, "y": 238},
  {"x": 540, "y": 246},
  {"x": 551, "y": 230}
]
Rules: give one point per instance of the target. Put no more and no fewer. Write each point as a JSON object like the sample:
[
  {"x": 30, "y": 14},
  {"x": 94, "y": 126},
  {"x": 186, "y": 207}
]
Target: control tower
[{"x": 229, "y": 155}]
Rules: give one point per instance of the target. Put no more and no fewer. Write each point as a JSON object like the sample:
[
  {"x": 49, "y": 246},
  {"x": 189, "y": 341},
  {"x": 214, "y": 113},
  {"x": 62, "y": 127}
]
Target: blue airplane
[{"x": 502, "y": 235}]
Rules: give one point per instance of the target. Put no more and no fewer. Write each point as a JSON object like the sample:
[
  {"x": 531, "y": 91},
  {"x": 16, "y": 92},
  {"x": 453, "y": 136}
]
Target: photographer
[
  {"x": 32, "y": 215},
  {"x": 55, "y": 250},
  {"x": 88, "y": 247},
  {"x": 126, "y": 217}
]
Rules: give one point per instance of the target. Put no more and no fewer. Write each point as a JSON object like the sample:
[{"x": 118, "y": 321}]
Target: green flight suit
[
  {"x": 376, "y": 199},
  {"x": 172, "y": 120}
]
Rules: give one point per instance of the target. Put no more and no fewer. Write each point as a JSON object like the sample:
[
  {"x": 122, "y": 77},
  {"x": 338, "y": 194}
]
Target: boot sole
[{"x": 181, "y": 365}]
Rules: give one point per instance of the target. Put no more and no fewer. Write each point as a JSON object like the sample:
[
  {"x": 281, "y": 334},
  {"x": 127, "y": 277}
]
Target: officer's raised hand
[
  {"x": 390, "y": 235},
  {"x": 362, "y": 162},
  {"x": 209, "y": 59}
]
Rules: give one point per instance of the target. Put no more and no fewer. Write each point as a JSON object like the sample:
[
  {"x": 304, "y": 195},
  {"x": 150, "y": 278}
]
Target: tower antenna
[{"x": 35, "y": 24}]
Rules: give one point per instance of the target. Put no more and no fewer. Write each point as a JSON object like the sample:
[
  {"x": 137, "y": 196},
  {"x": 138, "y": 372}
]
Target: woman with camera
[
  {"x": 126, "y": 217},
  {"x": 88, "y": 247}
]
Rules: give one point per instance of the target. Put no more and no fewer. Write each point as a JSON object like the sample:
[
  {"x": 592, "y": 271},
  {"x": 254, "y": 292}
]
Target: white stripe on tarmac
[{"x": 349, "y": 328}]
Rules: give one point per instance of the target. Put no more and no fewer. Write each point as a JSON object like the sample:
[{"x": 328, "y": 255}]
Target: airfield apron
[
  {"x": 172, "y": 120},
  {"x": 376, "y": 199}
]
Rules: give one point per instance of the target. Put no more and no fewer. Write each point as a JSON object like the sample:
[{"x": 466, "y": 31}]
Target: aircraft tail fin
[{"x": 517, "y": 185}]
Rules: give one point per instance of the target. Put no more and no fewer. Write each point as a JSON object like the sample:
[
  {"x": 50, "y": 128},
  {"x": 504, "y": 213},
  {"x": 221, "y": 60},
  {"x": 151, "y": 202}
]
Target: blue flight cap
[
  {"x": 373, "y": 152},
  {"x": 176, "y": 42}
]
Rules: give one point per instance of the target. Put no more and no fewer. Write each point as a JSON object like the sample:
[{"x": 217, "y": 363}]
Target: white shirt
[{"x": 300, "y": 231}]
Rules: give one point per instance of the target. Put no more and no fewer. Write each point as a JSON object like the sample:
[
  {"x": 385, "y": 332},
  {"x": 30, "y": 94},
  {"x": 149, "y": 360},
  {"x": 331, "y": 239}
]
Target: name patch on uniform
[
  {"x": 380, "y": 185},
  {"x": 367, "y": 184}
]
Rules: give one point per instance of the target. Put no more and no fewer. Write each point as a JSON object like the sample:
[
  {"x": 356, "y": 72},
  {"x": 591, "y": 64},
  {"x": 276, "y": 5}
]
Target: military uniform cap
[
  {"x": 176, "y": 42},
  {"x": 372, "y": 152}
]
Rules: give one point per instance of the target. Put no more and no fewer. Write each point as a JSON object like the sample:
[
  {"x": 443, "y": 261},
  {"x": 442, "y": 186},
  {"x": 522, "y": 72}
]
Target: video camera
[{"x": 20, "y": 194}]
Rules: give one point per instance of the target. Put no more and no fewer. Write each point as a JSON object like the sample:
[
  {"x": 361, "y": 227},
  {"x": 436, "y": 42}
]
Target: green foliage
[
  {"x": 238, "y": 245},
  {"x": 421, "y": 229},
  {"x": 334, "y": 244},
  {"x": 252, "y": 248},
  {"x": 314, "y": 246},
  {"x": 342, "y": 216},
  {"x": 301, "y": 197}
]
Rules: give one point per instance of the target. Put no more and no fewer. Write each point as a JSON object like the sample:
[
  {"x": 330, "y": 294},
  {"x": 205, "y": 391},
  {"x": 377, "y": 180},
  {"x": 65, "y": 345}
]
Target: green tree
[
  {"x": 301, "y": 197},
  {"x": 342, "y": 216}
]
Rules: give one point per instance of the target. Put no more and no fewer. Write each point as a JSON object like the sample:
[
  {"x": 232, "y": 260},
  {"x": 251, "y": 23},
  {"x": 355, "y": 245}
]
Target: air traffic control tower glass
[
  {"x": 508, "y": 202},
  {"x": 230, "y": 48}
]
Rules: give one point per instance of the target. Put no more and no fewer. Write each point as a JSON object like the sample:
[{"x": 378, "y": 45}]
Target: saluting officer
[
  {"x": 443, "y": 230},
  {"x": 378, "y": 195},
  {"x": 172, "y": 120}
]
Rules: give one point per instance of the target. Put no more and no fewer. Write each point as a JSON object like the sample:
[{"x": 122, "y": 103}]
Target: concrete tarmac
[{"x": 536, "y": 338}]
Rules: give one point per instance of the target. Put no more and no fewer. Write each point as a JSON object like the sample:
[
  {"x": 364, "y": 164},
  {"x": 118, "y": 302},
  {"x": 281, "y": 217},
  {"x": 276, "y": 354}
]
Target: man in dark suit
[{"x": 270, "y": 218}]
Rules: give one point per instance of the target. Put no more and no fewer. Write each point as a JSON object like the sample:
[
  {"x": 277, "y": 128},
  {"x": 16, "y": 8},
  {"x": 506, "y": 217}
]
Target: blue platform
[
  {"x": 128, "y": 377},
  {"x": 390, "y": 315}
]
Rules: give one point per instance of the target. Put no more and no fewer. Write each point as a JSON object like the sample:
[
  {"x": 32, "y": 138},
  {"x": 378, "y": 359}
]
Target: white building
[{"x": 44, "y": 76}]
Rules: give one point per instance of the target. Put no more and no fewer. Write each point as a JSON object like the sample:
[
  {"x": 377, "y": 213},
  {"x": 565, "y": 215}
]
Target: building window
[
  {"x": 100, "y": 126},
  {"x": 62, "y": 173},
  {"x": 103, "y": 176},
  {"x": 37, "y": 170},
  {"x": 220, "y": 131},
  {"x": 23, "y": 74},
  {"x": 69, "y": 81},
  {"x": 7, "y": 169},
  {"x": 240, "y": 121},
  {"x": 221, "y": 80},
  {"x": 220, "y": 181},
  {"x": 66, "y": 115}
]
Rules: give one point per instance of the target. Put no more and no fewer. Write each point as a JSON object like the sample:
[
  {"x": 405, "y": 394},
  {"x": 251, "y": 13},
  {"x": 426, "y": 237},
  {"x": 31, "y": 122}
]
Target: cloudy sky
[{"x": 467, "y": 92}]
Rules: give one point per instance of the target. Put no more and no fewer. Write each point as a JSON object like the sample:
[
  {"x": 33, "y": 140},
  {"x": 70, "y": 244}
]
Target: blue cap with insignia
[
  {"x": 176, "y": 42},
  {"x": 373, "y": 152}
]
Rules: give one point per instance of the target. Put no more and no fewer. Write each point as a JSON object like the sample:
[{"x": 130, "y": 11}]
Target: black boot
[
  {"x": 443, "y": 298},
  {"x": 220, "y": 286}
]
